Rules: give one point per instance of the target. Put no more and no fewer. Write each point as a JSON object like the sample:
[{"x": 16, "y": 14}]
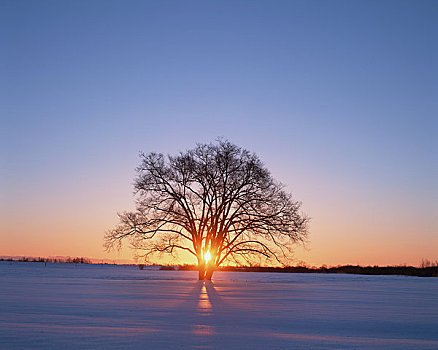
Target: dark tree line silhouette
[{"x": 69, "y": 260}]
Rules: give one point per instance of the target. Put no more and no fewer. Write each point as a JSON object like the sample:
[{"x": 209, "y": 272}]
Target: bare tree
[{"x": 217, "y": 202}]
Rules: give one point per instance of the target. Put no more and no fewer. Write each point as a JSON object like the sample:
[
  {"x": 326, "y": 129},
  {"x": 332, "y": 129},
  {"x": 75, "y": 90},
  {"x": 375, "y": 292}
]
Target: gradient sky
[{"x": 338, "y": 98}]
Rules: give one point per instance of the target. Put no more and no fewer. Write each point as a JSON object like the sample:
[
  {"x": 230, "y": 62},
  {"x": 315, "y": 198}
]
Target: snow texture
[{"x": 68, "y": 306}]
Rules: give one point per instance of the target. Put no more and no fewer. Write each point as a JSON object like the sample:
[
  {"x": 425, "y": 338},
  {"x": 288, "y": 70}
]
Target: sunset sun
[{"x": 207, "y": 257}]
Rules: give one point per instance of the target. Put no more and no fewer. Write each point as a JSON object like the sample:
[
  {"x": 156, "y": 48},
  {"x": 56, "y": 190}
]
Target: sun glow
[{"x": 207, "y": 257}]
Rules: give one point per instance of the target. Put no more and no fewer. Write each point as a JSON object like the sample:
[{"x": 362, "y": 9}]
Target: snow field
[{"x": 67, "y": 306}]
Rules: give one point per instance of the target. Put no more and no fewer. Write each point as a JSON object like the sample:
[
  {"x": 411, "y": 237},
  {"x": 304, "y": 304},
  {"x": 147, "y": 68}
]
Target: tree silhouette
[{"x": 217, "y": 202}]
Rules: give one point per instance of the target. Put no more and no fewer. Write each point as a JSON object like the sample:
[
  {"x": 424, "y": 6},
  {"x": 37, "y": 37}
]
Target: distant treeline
[
  {"x": 430, "y": 271},
  {"x": 67, "y": 260},
  {"x": 427, "y": 268}
]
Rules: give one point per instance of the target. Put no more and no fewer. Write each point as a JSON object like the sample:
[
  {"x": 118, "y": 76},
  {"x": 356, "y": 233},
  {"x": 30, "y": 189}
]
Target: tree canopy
[{"x": 218, "y": 202}]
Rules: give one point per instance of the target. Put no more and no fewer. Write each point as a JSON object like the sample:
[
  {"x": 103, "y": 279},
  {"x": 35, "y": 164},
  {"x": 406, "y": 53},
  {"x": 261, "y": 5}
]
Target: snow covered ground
[{"x": 67, "y": 306}]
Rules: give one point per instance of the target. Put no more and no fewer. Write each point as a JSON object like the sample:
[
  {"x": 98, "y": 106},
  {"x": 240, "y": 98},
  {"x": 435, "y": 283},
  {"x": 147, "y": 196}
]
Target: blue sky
[{"x": 338, "y": 98}]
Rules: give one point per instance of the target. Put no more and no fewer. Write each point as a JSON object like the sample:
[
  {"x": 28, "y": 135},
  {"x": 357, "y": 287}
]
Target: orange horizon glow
[
  {"x": 334, "y": 240},
  {"x": 335, "y": 256}
]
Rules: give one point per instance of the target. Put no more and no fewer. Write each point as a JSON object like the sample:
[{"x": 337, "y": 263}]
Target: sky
[{"x": 338, "y": 98}]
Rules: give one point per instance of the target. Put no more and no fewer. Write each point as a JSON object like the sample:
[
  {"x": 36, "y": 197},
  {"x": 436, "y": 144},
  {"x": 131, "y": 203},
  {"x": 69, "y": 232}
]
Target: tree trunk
[
  {"x": 201, "y": 270},
  {"x": 205, "y": 273},
  {"x": 209, "y": 273}
]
